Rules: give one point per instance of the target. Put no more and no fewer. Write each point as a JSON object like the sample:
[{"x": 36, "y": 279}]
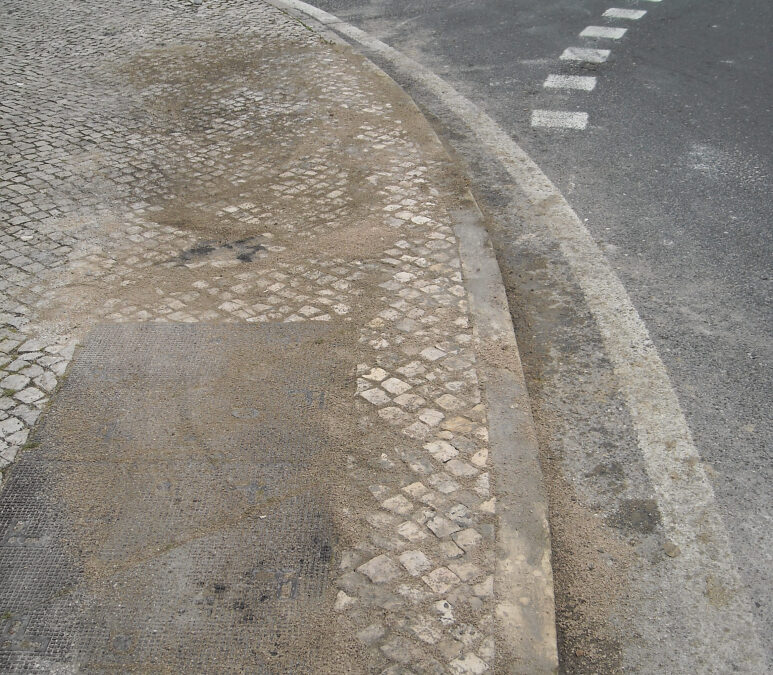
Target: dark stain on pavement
[
  {"x": 243, "y": 250},
  {"x": 640, "y": 515}
]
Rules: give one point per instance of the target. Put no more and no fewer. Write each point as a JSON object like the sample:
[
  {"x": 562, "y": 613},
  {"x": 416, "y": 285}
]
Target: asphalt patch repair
[{"x": 172, "y": 510}]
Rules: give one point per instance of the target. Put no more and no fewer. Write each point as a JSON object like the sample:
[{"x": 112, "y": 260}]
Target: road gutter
[{"x": 685, "y": 496}]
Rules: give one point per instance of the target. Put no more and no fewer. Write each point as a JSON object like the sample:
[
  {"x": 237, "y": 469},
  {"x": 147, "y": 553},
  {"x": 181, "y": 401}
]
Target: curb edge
[{"x": 524, "y": 578}]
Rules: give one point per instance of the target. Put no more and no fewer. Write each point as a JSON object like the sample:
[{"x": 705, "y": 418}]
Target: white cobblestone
[
  {"x": 411, "y": 531},
  {"x": 415, "y": 562},
  {"x": 15, "y": 382},
  {"x": 469, "y": 664},
  {"x": 441, "y": 450},
  {"x": 441, "y": 580},
  {"x": 380, "y": 569},
  {"x": 398, "y": 504},
  {"x": 442, "y": 527}
]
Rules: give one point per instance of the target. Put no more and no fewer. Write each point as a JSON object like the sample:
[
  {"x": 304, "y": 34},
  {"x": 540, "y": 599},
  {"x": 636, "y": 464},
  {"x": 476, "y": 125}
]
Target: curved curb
[
  {"x": 524, "y": 578},
  {"x": 685, "y": 496}
]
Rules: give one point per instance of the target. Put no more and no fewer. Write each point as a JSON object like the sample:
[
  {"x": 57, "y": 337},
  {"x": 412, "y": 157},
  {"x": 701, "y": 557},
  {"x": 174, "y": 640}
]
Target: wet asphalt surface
[{"x": 673, "y": 179}]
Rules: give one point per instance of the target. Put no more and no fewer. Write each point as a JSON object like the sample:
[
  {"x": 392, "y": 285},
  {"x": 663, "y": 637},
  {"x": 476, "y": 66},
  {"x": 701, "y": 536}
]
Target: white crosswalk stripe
[{"x": 561, "y": 119}]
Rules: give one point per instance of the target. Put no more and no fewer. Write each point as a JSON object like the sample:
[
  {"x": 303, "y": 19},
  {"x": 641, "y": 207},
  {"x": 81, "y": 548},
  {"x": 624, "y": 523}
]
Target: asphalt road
[{"x": 672, "y": 177}]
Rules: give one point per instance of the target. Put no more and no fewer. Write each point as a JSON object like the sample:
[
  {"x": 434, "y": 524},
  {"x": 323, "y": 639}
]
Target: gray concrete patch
[{"x": 174, "y": 513}]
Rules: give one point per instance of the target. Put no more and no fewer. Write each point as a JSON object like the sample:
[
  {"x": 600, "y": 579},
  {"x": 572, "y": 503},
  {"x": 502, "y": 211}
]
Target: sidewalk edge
[
  {"x": 524, "y": 577},
  {"x": 525, "y": 598}
]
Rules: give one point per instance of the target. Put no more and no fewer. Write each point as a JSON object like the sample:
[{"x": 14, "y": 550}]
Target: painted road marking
[
  {"x": 583, "y": 82},
  {"x": 585, "y": 55},
  {"x": 724, "y": 630},
  {"x": 617, "y": 13},
  {"x": 606, "y": 32},
  {"x": 561, "y": 119}
]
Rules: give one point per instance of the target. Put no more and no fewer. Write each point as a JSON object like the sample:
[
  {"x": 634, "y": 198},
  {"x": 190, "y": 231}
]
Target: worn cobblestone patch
[
  {"x": 217, "y": 163},
  {"x": 153, "y": 528}
]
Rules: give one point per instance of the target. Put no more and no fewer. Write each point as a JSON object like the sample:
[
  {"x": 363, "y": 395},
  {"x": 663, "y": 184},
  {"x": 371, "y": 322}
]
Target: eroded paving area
[{"x": 269, "y": 451}]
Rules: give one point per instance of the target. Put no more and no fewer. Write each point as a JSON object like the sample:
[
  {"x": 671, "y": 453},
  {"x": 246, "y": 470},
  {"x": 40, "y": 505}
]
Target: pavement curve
[{"x": 671, "y": 191}]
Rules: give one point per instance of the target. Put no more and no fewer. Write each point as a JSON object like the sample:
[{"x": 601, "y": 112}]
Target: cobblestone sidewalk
[{"x": 174, "y": 162}]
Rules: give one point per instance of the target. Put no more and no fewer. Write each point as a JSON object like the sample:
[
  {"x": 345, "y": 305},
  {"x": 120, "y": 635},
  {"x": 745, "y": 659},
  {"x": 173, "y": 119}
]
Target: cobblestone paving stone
[{"x": 138, "y": 186}]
